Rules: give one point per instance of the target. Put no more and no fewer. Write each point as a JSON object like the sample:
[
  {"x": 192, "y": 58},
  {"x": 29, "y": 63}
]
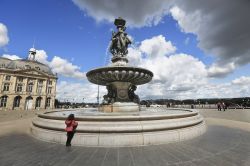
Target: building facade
[{"x": 26, "y": 84}]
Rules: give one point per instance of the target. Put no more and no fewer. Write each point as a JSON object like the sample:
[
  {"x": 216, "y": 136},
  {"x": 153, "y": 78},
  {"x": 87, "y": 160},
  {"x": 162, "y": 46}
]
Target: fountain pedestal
[
  {"x": 122, "y": 98},
  {"x": 121, "y": 83},
  {"x": 120, "y": 107}
]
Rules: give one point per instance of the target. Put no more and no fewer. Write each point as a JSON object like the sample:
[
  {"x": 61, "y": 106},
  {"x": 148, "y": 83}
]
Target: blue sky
[
  {"x": 79, "y": 31},
  {"x": 60, "y": 24}
]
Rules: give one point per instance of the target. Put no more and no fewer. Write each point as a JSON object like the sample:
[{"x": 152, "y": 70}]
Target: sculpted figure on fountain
[
  {"x": 132, "y": 96},
  {"x": 119, "y": 42}
]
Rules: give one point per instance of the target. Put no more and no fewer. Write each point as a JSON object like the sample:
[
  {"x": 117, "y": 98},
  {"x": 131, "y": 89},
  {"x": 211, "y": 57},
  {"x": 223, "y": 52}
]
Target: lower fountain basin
[{"x": 147, "y": 127}]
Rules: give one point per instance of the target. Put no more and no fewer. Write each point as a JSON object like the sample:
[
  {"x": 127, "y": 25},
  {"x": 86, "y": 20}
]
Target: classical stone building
[{"x": 26, "y": 84}]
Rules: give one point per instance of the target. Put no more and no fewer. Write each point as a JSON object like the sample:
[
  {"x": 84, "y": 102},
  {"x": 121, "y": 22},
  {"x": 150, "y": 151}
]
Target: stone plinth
[{"x": 120, "y": 107}]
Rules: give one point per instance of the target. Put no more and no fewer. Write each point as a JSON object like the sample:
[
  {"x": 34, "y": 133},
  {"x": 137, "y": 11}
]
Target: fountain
[
  {"x": 120, "y": 121},
  {"x": 120, "y": 80}
]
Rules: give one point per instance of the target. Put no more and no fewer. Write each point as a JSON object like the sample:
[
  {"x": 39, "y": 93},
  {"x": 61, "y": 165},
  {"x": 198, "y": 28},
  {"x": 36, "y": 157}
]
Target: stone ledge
[{"x": 121, "y": 139}]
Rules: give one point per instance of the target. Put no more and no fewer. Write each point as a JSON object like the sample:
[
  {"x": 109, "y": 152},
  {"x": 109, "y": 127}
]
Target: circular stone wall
[{"x": 119, "y": 129}]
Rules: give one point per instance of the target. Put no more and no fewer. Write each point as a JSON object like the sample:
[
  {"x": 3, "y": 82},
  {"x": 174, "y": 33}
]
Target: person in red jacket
[{"x": 71, "y": 126}]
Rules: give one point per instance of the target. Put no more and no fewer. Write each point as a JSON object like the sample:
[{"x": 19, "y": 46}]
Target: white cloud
[
  {"x": 137, "y": 13},
  {"x": 176, "y": 72},
  {"x": 12, "y": 57},
  {"x": 76, "y": 91},
  {"x": 220, "y": 70},
  {"x": 42, "y": 56},
  {"x": 184, "y": 20},
  {"x": 4, "y": 39},
  {"x": 66, "y": 68},
  {"x": 220, "y": 32},
  {"x": 242, "y": 81},
  {"x": 157, "y": 46},
  {"x": 134, "y": 56},
  {"x": 60, "y": 66},
  {"x": 182, "y": 76}
]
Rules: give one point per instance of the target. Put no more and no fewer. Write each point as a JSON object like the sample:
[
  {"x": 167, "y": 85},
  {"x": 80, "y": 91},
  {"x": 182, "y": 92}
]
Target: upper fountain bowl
[{"x": 107, "y": 75}]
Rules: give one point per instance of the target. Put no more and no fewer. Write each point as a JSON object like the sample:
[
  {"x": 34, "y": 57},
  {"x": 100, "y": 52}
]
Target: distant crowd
[{"x": 221, "y": 106}]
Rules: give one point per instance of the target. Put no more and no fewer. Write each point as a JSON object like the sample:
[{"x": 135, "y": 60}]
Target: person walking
[
  {"x": 224, "y": 106},
  {"x": 219, "y": 106},
  {"x": 71, "y": 126}
]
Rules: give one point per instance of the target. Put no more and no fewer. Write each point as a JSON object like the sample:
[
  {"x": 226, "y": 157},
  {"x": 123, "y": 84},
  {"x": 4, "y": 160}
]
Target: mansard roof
[{"x": 21, "y": 64}]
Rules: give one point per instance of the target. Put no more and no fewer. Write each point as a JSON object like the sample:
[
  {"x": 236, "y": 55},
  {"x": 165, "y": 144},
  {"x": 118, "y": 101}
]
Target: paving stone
[{"x": 219, "y": 146}]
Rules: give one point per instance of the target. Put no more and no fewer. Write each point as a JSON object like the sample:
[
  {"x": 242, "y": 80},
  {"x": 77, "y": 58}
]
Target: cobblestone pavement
[
  {"x": 220, "y": 146},
  {"x": 242, "y": 115}
]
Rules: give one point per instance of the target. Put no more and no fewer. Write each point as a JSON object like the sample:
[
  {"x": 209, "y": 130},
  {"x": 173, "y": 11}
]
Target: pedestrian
[
  {"x": 219, "y": 106},
  {"x": 224, "y": 106},
  {"x": 71, "y": 126}
]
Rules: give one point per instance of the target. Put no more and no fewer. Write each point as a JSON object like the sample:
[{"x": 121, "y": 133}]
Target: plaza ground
[{"x": 226, "y": 142}]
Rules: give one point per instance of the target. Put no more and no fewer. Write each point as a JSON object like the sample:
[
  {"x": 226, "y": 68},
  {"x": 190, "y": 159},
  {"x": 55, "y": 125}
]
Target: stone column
[
  {"x": 9, "y": 103},
  {"x": 34, "y": 91},
  {"x": 22, "y": 102},
  {"x": 1, "y": 82}
]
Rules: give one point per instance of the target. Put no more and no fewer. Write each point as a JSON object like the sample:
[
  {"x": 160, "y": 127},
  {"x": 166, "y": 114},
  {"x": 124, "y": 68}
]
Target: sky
[{"x": 195, "y": 48}]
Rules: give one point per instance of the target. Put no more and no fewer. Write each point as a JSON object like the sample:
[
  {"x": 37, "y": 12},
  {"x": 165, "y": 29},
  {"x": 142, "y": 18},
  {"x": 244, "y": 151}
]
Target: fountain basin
[
  {"x": 107, "y": 75},
  {"x": 121, "y": 129}
]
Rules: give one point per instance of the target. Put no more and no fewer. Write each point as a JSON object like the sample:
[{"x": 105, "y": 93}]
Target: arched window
[
  {"x": 3, "y": 102},
  {"x": 28, "y": 103},
  {"x": 38, "y": 102},
  {"x": 17, "y": 100}
]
